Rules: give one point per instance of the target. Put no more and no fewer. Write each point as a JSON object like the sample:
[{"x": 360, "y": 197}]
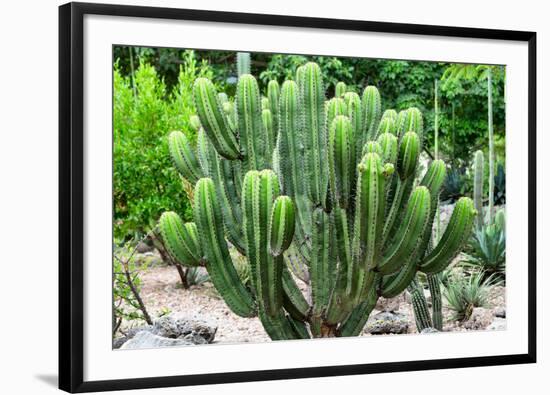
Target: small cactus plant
[{"x": 338, "y": 192}]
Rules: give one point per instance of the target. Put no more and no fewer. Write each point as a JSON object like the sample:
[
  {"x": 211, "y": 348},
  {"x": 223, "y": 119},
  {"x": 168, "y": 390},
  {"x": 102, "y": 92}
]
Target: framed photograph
[{"x": 250, "y": 197}]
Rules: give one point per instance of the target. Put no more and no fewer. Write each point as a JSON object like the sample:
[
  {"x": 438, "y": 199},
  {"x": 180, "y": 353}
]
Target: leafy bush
[
  {"x": 464, "y": 293},
  {"x": 144, "y": 182},
  {"x": 127, "y": 303}
]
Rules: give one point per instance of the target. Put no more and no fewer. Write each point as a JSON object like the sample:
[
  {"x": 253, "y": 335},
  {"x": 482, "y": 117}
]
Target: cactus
[
  {"x": 332, "y": 186},
  {"x": 479, "y": 168},
  {"x": 340, "y": 89},
  {"x": 243, "y": 63}
]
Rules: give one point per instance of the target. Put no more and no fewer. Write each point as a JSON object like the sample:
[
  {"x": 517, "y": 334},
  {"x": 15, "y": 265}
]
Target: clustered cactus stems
[{"x": 333, "y": 184}]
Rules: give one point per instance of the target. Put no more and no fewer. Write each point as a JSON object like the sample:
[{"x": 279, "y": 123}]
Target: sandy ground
[{"x": 163, "y": 293}]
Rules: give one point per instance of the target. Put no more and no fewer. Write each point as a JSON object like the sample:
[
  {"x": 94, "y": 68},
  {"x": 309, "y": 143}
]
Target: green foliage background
[
  {"x": 152, "y": 96},
  {"x": 145, "y": 184}
]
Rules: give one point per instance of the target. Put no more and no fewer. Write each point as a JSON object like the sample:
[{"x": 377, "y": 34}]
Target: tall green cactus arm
[
  {"x": 341, "y": 168},
  {"x": 259, "y": 192},
  {"x": 269, "y": 131},
  {"x": 282, "y": 225},
  {"x": 433, "y": 180},
  {"x": 408, "y": 238},
  {"x": 456, "y": 234},
  {"x": 434, "y": 284},
  {"x": 300, "y": 75},
  {"x": 335, "y": 107},
  {"x": 340, "y": 89},
  {"x": 393, "y": 284},
  {"x": 279, "y": 327},
  {"x": 195, "y": 122},
  {"x": 479, "y": 169},
  {"x": 180, "y": 239},
  {"x": 213, "y": 119},
  {"x": 410, "y": 120},
  {"x": 224, "y": 276},
  {"x": 250, "y": 126},
  {"x": 388, "y": 144},
  {"x": 320, "y": 267},
  {"x": 401, "y": 123},
  {"x": 273, "y": 94},
  {"x": 409, "y": 151},
  {"x": 391, "y": 114},
  {"x": 353, "y": 105},
  {"x": 356, "y": 321},
  {"x": 312, "y": 100},
  {"x": 372, "y": 111},
  {"x": 290, "y": 141},
  {"x": 222, "y": 172},
  {"x": 202, "y": 152},
  {"x": 265, "y": 103},
  {"x": 372, "y": 146},
  {"x": 386, "y": 125},
  {"x": 370, "y": 209},
  {"x": 420, "y": 306},
  {"x": 388, "y": 122},
  {"x": 243, "y": 63},
  {"x": 293, "y": 299},
  {"x": 184, "y": 157},
  {"x": 342, "y": 298}
]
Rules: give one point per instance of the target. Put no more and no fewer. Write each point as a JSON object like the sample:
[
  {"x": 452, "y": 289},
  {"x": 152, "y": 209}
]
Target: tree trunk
[{"x": 183, "y": 276}]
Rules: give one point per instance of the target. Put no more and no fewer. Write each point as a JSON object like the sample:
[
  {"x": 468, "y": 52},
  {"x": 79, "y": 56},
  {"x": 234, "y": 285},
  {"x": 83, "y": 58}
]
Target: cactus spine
[{"x": 329, "y": 183}]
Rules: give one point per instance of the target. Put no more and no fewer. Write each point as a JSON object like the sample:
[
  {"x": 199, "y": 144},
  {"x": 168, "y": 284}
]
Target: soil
[{"x": 162, "y": 293}]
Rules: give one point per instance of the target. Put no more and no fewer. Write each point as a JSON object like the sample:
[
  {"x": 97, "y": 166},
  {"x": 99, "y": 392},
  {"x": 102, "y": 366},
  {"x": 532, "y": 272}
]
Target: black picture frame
[{"x": 71, "y": 204}]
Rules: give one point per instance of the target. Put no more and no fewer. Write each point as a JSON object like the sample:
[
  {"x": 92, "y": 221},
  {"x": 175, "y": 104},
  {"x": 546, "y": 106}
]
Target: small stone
[
  {"x": 428, "y": 330},
  {"x": 481, "y": 318},
  {"x": 498, "y": 324},
  {"x": 147, "y": 339},
  {"x": 390, "y": 305},
  {"x": 387, "y": 322},
  {"x": 177, "y": 327},
  {"x": 500, "y": 312},
  {"x": 143, "y": 247}
]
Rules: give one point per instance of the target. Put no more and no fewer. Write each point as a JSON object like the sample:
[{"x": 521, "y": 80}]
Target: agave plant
[
  {"x": 464, "y": 293},
  {"x": 333, "y": 184},
  {"x": 500, "y": 185},
  {"x": 487, "y": 249}
]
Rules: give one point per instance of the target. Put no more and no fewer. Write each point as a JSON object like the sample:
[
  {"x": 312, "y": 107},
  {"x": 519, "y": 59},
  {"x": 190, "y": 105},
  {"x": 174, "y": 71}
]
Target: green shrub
[{"x": 144, "y": 182}]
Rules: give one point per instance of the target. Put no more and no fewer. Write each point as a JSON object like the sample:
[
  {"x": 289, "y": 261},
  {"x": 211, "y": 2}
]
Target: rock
[
  {"x": 143, "y": 247},
  {"x": 119, "y": 341},
  {"x": 178, "y": 327},
  {"x": 390, "y": 305},
  {"x": 428, "y": 330},
  {"x": 500, "y": 312},
  {"x": 146, "y": 339},
  {"x": 481, "y": 318},
  {"x": 498, "y": 324},
  {"x": 387, "y": 322},
  {"x": 189, "y": 329}
]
